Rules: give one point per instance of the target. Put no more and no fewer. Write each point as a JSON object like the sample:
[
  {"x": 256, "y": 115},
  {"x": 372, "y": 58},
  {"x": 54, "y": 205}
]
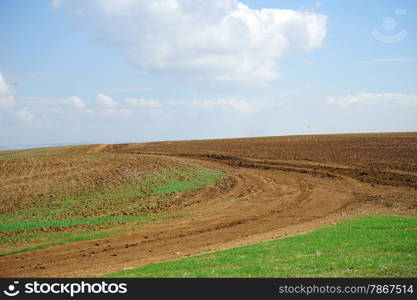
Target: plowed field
[{"x": 134, "y": 204}]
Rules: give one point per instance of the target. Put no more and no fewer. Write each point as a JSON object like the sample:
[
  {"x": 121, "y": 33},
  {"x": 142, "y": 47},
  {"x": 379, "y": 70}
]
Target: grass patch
[
  {"x": 47, "y": 239},
  {"x": 130, "y": 203},
  {"x": 384, "y": 246},
  {"x": 74, "y": 238},
  {"x": 112, "y": 204},
  {"x": 34, "y": 225},
  {"x": 186, "y": 181}
]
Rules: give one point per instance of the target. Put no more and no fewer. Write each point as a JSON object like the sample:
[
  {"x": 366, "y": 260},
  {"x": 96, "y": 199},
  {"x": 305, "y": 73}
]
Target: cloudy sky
[{"x": 108, "y": 71}]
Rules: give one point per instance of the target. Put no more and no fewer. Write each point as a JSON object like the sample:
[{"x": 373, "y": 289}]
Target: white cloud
[
  {"x": 131, "y": 105},
  {"x": 236, "y": 104},
  {"x": 74, "y": 102},
  {"x": 56, "y": 3},
  {"x": 142, "y": 102},
  {"x": 240, "y": 105},
  {"x": 6, "y": 93},
  {"x": 116, "y": 112},
  {"x": 215, "y": 40},
  {"x": 106, "y": 101},
  {"x": 372, "y": 98},
  {"x": 24, "y": 115}
]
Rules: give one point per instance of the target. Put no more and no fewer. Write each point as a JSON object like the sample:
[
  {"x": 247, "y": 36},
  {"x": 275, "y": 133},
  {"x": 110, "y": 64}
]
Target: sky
[{"x": 117, "y": 71}]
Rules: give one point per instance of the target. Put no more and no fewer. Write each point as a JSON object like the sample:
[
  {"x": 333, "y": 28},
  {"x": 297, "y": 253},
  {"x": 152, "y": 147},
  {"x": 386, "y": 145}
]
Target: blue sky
[{"x": 107, "y": 71}]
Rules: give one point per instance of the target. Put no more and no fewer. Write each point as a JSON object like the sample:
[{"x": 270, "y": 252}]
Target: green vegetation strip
[
  {"x": 384, "y": 246},
  {"x": 64, "y": 211},
  {"x": 47, "y": 239},
  {"x": 34, "y": 225},
  {"x": 200, "y": 179},
  {"x": 118, "y": 198},
  {"x": 59, "y": 242}
]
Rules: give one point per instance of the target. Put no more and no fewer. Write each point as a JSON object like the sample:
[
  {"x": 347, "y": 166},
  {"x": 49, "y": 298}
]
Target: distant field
[
  {"x": 106, "y": 208},
  {"x": 365, "y": 247}
]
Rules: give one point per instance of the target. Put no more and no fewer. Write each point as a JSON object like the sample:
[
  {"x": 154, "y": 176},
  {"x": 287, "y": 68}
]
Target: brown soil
[
  {"x": 278, "y": 187},
  {"x": 26, "y": 177}
]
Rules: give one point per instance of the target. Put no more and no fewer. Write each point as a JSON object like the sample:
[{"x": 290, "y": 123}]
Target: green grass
[
  {"x": 47, "y": 239},
  {"x": 106, "y": 205},
  {"x": 384, "y": 246},
  {"x": 123, "y": 205},
  {"x": 64, "y": 239},
  {"x": 33, "y": 225},
  {"x": 188, "y": 181}
]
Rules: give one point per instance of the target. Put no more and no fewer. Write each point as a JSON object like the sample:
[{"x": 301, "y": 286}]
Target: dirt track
[{"x": 265, "y": 197}]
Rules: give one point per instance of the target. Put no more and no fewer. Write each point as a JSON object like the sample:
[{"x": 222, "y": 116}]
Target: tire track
[{"x": 260, "y": 202}]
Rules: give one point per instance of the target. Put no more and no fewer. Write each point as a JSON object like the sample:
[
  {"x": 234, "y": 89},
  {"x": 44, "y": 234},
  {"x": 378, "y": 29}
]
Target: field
[
  {"x": 99, "y": 209},
  {"x": 339, "y": 251}
]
